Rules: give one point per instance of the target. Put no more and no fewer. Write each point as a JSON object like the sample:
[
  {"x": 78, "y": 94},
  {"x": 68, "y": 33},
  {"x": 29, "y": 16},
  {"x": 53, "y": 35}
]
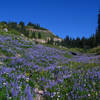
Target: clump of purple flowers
[{"x": 25, "y": 67}]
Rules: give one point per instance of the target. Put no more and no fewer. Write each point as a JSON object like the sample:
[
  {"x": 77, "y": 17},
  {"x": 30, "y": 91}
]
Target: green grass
[
  {"x": 55, "y": 46},
  {"x": 3, "y": 93},
  {"x": 80, "y": 65},
  {"x": 4, "y": 52},
  {"x": 95, "y": 50},
  {"x": 67, "y": 55},
  {"x": 77, "y": 50}
]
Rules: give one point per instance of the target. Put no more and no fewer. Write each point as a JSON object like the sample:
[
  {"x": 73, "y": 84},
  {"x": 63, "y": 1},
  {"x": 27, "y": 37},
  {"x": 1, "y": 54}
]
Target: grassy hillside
[
  {"x": 95, "y": 50},
  {"x": 30, "y": 30},
  {"x": 29, "y": 71}
]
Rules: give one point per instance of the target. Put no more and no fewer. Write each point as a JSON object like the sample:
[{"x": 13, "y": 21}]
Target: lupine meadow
[
  {"x": 31, "y": 71},
  {"x": 28, "y": 70}
]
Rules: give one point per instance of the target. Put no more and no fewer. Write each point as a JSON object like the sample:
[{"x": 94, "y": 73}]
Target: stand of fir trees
[{"x": 83, "y": 42}]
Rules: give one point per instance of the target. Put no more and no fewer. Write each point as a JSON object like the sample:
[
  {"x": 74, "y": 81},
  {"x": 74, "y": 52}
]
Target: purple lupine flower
[{"x": 28, "y": 92}]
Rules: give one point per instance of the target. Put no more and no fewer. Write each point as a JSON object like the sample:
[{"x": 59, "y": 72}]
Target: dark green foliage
[
  {"x": 3, "y": 22},
  {"x": 97, "y": 36},
  {"x": 33, "y": 25},
  {"x": 21, "y": 24},
  {"x": 30, "y": 35},
  {"x": 34, "y": 35},
  {"x": 12, "y": 25},
  {"x": 51, "y": 41},
  {"x": 36, "y": 26},
  {"x": 26, "y": 33},
  {"x": 29, "y": 24},
  {"x": 79, "y": 42},
  {"x": 66, "y": 41},
  {"x": 99, "y": 22},
  {"x": 83, "y": 42},
  {"x": 39, "y": 35}
]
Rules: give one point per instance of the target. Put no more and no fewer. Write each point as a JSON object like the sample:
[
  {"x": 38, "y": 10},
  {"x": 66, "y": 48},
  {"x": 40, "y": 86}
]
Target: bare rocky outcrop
[
  {"x": 38, "y": 30},
  {"x": 39, "y": 94}
]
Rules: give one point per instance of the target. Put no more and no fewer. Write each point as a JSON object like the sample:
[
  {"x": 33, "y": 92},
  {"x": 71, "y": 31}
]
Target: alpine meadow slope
[{"x": 30, "y": 71}]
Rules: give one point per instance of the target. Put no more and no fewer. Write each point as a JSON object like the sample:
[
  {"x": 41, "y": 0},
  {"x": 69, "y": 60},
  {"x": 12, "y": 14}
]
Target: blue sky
[{"x": 63, "y": 17}]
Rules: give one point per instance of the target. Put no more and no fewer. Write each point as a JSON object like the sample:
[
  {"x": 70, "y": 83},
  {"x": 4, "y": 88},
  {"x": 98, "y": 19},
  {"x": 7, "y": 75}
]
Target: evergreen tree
[
  {"x": 22, "y": 27},
  {"x": 33, "y": 34},
  {"x": 12, "y": 25},
  {"x": 3, "y": 22},
  {"x": 30, "y": 35},
  {"x": 39, "y": 35},
  {"x": 83, "y": 41},
  {"x": 67, "y": 41},
  {"x": 99, "y": 22},
  {"x": 29, "y": 24},
  {"x": 98, "y": 31},
  {"x": 21, "y": 23},
  {"x": 51, "y": 41},
  {"x": 78, "y": 42},
  {"x": 73, "y": 42},
  {"x": 67, "y": 38},
  {"x": 26, "y": 33},
  {"x": 93, "y": 41}
]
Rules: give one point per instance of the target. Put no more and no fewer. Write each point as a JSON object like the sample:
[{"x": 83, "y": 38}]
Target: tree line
[
  {"x": 83, "y": 42},
  {"x": 22, "y": 28}
]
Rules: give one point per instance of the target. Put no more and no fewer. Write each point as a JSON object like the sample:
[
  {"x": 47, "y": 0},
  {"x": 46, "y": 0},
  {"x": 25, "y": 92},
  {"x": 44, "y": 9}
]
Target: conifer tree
[
  {"x": 34, "y": 35},
  {"x": 21, "y": 24},
  {"x": 39, "y": 35},
  {"x": 98, "y": 31}
]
